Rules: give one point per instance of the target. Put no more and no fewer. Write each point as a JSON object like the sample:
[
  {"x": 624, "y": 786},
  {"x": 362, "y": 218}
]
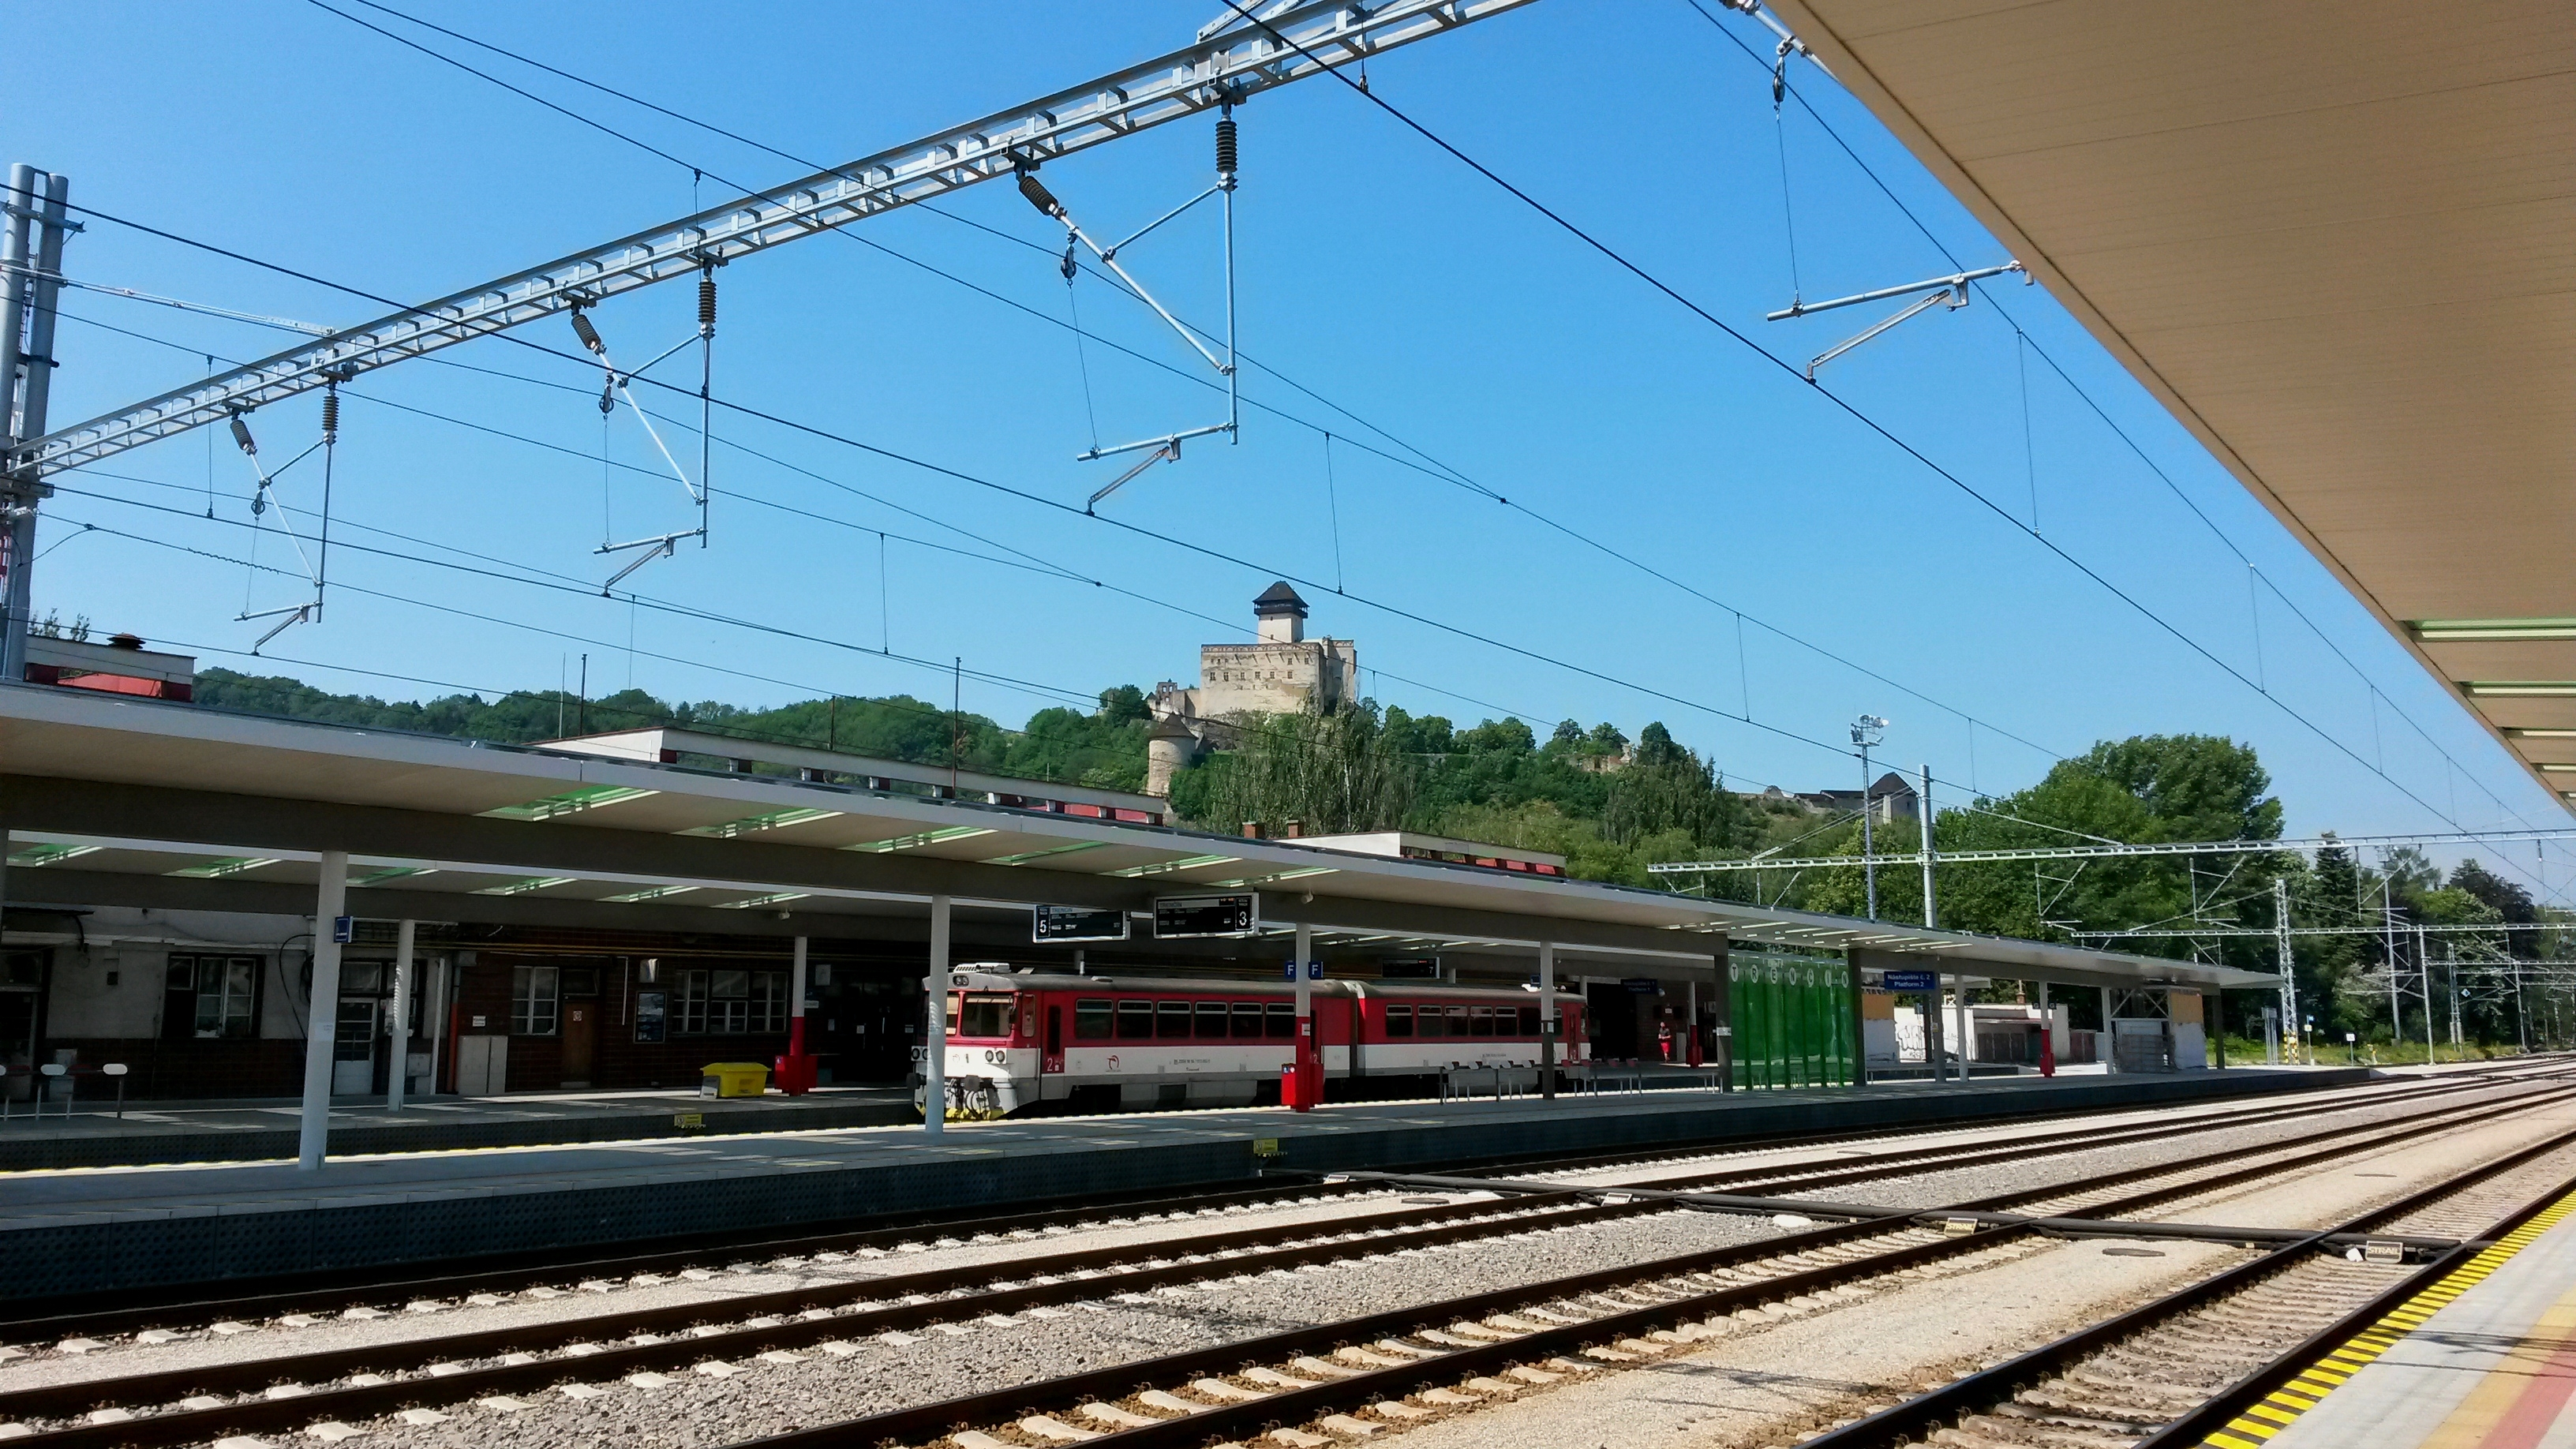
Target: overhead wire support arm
[
  {"x": 1301, "y": 41},
  {"x": 1165, "y": 448},
  {"x": 1951, "y": 291}
]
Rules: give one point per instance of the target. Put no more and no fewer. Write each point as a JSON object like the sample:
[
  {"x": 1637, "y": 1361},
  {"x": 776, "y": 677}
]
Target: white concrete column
[
  {"x": 1548, "y": 1022},
  {"x": 322, "y": 1011},
  {"x": 934, "y": 1050},
  {"x": 1967, "y": 1029},
  {"x": 2102, "y": 1044},
  {"x": 433, "y": 1011},
  {"x": 401, "y": 1065}
]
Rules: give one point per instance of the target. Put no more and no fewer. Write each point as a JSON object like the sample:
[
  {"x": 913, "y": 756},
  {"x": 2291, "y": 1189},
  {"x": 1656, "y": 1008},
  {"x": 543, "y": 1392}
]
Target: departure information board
[{"x": 1178, "y": 917}]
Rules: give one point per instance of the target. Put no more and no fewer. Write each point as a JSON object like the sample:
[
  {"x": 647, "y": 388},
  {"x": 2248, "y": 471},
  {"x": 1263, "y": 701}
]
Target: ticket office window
[
  {"x": 211, "y": 998},
  {"x": 725, "y": 1002}
]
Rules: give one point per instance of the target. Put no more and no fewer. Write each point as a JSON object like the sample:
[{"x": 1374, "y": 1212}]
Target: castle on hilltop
[{"x": 1280, "y": 672}]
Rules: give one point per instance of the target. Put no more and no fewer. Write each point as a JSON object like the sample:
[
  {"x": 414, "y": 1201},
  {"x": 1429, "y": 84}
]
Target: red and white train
[{"x": 1022, "y": 1041}]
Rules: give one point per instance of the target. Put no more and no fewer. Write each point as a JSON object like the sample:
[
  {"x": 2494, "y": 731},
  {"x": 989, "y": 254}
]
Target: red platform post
[{"x": 794, "y": 1073}]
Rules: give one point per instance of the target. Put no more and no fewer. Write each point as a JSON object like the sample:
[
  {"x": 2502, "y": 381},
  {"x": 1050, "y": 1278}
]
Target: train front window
[
  {"x": 986, "y": 1017},
  {"x": 1399, "y": 1021},
  {"x": 1135, "y": 1020},
  {"x": 1091, "y": 1020},
  {"x": 1211, "y": 1020},
  {"x": 1172, "y": 1018}
]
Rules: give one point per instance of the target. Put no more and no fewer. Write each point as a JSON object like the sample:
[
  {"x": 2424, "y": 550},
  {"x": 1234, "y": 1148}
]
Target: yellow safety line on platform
[{"x": 2284, "y": 1405}]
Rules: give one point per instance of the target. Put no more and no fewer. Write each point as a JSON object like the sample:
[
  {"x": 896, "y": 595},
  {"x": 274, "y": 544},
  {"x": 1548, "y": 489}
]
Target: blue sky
[{"x": 1375, "y": 274}]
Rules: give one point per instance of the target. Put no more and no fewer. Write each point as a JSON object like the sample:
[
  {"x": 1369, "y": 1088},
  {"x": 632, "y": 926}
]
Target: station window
[
  {"x": 1091, "y": 1020},
  {"x": 1399, "y": 1021},
  {"x": 535, "y": 1002},
  {"x": 1135, "y": 1021},
  {"x": 1172, "y": 1018},
  {"x": 1282, "y": 1018},
  {"x": 211, "y": 998},
  {"x": 1247, "y": 1019},
  {"x": 737, "y": 1003},
  {"x": 987, "y": 1016},
  {"x": 1211, "y": 1019}
]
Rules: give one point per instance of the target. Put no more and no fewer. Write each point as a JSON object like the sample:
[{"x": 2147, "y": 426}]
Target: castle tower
[{"x": 1280, "y": 615}]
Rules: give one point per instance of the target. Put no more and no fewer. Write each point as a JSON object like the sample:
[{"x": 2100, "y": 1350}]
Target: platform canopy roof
[
  {"x": 116, "y": 800},
  {"x": 2337, "y": 241}
]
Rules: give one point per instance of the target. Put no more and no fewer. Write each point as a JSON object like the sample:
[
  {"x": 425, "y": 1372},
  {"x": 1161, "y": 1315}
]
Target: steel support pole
[
  {"x": 1868, "y": 843},
  {"x": 1923, "y": 808},
  {"x": 2289, "y": 977},
  {"x": 322, "y": 1011},
  {"x": 934, "y": 1049},
  {"x": 1548, "y": 1021},
  {"x": 17, "y": 509},
  {"x": 2424, "y": 969},
  {"x": 1721, "y": 1010},
  {"x": 401, "y": 1033}
]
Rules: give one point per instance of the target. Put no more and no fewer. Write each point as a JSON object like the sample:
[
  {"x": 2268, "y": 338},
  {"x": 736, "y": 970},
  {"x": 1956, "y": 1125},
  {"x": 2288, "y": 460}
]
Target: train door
[{"x": 1051, "y": 1050}]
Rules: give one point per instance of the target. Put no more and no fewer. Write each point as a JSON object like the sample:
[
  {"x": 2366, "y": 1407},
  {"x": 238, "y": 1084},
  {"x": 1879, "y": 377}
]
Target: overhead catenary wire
[
  {"x": 2102, "y": 413},
  {"x": 1043, "y": 501},
  {"x": 1839, "y": 403},
  {"x": 572, "y": 583},
  {"x": 1434, "y": 469}
]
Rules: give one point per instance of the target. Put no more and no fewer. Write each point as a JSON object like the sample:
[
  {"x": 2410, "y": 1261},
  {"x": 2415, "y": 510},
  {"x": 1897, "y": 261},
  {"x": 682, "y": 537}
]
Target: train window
[
  {"x": 1091, "y": 1020},
  {"x": 1283, "y": 1021},
  {"x": 1457, "y": 1020},
  {"x": 1429, "y": 1022},
  {"x": 987, "y": 1016},
  {"x": 1480, "y": 1021},
  {"x": 1399, "y": 1021},
  {"x": 1135, "y": 1020},
  {"x": 1247, "y": 1018},
  {"x": 1529, "y": 1021},
  {"x": 1172, "y": 1019},
  {"x": 1211, "y": 1016}
]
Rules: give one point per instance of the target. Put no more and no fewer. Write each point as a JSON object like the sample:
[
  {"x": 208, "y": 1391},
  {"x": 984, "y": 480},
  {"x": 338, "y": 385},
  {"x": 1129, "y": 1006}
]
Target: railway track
[
  {"x": 188, "y": 1406},
  {"x": 2168, "y": 1373},
  {"x": 89, "y": 1321}
]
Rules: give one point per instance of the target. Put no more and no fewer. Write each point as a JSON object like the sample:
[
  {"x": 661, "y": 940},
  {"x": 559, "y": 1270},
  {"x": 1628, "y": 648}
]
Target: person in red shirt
[{"x": 1664, "y": 1038}]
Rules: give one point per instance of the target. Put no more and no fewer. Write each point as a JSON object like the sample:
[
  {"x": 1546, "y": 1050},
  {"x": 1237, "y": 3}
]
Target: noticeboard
[
  {"x": 1076, "y": 923},
  {"x": 652, "y": 1015},
  {"x": 1181, "y": 917},
  {"x": 1909, "y": 981}
]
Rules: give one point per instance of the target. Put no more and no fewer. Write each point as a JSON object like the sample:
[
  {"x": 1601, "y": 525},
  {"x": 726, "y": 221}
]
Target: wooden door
[{"x": 580, "y": 1040}]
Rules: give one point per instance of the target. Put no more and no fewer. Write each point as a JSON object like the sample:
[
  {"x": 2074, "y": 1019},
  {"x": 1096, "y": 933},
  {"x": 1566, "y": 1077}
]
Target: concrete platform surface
[
  {"x": 2484, "y": 1360},
  {"x": 87, "y": 1230},
  {"x": 94, "y": 1134}
]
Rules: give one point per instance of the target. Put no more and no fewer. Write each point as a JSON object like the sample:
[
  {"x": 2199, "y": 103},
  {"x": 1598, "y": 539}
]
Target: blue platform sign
[
  {"x": 1314, "y": 971},
  {"x": 344, "y": 930},
  {"x": 1910, "y": 980}
]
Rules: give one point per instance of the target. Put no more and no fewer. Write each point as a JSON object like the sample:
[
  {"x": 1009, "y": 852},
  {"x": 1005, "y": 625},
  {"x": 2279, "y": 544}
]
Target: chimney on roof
[{"x": 1280, "y": 615}]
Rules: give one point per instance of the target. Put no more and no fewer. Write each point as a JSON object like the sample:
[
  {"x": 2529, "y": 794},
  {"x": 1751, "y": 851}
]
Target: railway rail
[
  {"x": 2170, "y": 1372},
  {"x": 122, "y": 1316},
  {"x": 782, "y": 1328}
]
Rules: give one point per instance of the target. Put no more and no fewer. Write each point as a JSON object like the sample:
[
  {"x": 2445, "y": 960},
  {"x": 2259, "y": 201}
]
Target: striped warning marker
[{"x": 2285, "y": 1404}]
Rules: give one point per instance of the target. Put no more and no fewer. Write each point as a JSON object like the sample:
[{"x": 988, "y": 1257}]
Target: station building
[{"x": 620, "y": 910}]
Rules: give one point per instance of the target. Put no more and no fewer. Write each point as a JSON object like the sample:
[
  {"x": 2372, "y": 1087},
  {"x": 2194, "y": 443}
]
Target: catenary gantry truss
[{"x": 1226, "y": 64}]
